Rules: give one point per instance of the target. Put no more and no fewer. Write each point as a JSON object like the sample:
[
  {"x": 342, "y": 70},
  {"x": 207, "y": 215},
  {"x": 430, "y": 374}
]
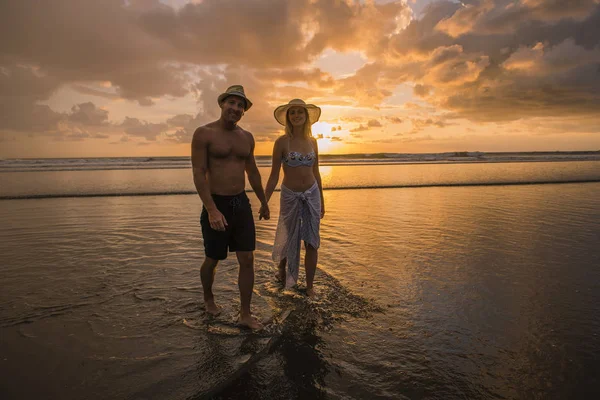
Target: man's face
[{"x": 232, "y": 109}]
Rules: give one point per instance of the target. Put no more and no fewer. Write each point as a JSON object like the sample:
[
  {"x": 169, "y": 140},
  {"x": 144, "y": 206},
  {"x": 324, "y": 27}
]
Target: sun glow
[
  {"x": 327, "y": 143},
  {"x": 321, "y": 129},
  {"x": 326, "y": 172}
]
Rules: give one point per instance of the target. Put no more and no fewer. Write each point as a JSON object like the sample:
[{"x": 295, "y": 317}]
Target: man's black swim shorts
[{"x": 239, "y": 234}]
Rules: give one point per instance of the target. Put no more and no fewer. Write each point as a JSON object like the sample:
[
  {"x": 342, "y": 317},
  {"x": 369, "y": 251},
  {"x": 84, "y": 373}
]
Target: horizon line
[{"x": 333, "y": 154}]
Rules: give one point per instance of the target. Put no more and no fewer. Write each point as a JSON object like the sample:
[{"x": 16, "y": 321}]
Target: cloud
[
  {"x": 312, "y": 76},
  {"x": 466, "y": 18},
  {"x": 360, "y": 128},
  {"x": 389, "y": 140},
  {"x": 346, "y": 25},
  {"x": 151, "y": 81},
  {"x": 546, "y": 60},
  {"x": 365, "y": 87},
  {"x": 266, "y": 138},
  {"x": 137, "y": 128},
  {"x": 273, "y": 33},
  {"x": 420, "y": 124},
  {"x": 21, "y": 87},
  {"x": 352, "y": 119},
  {"x": 88, "y": 114},
  {"x": 416, "y": 139},
  {"x": 395, "y": 120},
  {"x": 461, "y": 61},
  {"x": 409, "y": 105},
  {"x": 504, "y": 16},
  {"x": 372, "y": 123},
  {"x": 77, "y": 136},
  {"x": 450, "y": 66},
  {"x": 421, "y": 90},
  {"x": 83, "y": 89},
  {"x": 184, "y": 125},
  {"x": 535, "y": 81},
  {"x": 83, "y": 40},
  {"x": 483, "y": 60},
  {"x": 122, "y": 139}
]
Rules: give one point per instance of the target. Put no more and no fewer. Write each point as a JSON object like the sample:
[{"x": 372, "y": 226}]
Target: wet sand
[{"x": 461, "y": 292}]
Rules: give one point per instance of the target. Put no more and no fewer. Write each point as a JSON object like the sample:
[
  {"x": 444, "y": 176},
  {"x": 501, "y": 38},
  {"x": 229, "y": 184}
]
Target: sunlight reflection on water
[{"x": 337, "y": 176}]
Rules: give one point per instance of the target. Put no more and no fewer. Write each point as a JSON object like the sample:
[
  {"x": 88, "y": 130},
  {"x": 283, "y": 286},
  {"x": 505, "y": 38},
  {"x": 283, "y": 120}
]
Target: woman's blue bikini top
[{"x": 297, "y": 159}]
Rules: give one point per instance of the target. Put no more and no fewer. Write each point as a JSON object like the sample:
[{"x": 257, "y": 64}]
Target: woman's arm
[
  {"x": 317, "y": 174},
  {"x": 275, "y": 168}
]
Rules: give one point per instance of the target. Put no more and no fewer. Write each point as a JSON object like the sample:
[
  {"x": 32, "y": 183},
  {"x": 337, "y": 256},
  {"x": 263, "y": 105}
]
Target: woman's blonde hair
[{"x": 289, "y": 130}]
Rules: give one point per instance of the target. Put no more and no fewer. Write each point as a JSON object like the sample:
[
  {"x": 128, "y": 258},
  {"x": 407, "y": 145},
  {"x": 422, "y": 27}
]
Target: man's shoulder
[
  {"x": 247, "y": 134},
  {"x": 204, "y": 131}
]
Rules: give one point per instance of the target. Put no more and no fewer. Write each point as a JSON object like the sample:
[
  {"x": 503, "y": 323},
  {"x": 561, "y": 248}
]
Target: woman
[{"x": 302, "y": 204}]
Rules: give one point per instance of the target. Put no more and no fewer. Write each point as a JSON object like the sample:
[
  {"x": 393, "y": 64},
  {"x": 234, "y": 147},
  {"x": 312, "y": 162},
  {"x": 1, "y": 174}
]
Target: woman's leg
[
  {"x": 281, "y": 270},
  {"x": 310, "y": 266}
]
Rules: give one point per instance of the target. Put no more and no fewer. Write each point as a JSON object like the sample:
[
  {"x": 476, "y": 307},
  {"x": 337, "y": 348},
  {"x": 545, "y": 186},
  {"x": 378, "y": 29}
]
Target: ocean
[{"x": 440, "y": 276}]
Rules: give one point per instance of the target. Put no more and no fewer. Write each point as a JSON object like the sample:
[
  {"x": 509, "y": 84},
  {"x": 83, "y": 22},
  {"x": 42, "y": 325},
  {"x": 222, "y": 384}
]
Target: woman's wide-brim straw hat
[
  {"x": 314, "y": 112},
  {"x": 235, "y": 90}
]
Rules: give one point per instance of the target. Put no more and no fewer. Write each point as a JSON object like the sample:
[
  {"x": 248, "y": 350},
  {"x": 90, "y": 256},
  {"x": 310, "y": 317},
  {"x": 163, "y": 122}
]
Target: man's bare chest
[{"x": 233, "y": 148}]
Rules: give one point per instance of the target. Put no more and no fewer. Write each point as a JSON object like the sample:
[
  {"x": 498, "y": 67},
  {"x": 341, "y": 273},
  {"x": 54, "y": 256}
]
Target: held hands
[
  {"x": 264, "y": 212},
  {"x": 217, "y": 220}
]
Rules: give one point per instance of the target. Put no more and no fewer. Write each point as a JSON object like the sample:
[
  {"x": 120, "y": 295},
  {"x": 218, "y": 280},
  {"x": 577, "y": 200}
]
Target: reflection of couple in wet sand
[{"x": 221, "y": 153}]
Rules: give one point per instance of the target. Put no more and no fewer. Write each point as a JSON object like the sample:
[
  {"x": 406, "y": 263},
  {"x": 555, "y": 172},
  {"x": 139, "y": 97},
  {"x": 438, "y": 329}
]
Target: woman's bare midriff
[{"x": 298, "y": 179}]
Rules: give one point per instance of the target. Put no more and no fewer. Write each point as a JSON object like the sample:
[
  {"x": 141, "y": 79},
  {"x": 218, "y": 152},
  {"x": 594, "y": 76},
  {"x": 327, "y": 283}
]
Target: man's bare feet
[
  {"x": 212, "y": 308},
  {"x": 311, "y": 293},
  {"x": 250, "y": 322}
]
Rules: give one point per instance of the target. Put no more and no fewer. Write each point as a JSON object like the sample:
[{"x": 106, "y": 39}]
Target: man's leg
[
  {"x": 310, "y": 266},
  {"x": 246, "y": 285},
  {"x": 207, "y": 276}
]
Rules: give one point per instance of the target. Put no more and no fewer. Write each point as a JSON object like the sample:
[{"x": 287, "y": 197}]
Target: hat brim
[
  {"x": 314, "y": 112},
  {"x": 223, "y": 96}
]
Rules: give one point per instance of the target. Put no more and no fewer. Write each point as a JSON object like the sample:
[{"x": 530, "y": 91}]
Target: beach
[
  {"x": 456, "y": 148},
  {"x": 435, "y": 281}
]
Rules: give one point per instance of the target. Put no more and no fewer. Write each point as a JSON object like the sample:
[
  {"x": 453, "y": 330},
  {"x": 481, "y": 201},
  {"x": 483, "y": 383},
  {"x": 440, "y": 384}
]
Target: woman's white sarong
[{"x": 299, "y": 219}]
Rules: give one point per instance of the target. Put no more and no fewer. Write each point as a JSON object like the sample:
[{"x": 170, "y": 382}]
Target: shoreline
[{"x": 180, "y": 193}]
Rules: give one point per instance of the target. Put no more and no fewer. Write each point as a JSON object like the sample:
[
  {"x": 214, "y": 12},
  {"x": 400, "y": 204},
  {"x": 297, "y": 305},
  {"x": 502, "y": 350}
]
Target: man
[{"x": 221, "y": 152}]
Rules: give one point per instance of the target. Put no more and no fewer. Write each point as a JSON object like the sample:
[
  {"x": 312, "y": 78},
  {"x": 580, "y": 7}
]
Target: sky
[{"x": 118, "y": 78}]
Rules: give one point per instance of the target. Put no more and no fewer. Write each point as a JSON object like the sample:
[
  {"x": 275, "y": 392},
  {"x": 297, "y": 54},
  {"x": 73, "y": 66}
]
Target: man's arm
[
  {"x": 256, "y": 181},
  {"x": 200, "y": 171},
  {"x": 317, "y": 174},
  {"x": 275, "y": 169}
]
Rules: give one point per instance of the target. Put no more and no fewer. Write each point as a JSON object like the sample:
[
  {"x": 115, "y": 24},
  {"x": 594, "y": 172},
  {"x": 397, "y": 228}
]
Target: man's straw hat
[
  {"x": 313, "y": 111},
  {"x": 235, "y": 90}
]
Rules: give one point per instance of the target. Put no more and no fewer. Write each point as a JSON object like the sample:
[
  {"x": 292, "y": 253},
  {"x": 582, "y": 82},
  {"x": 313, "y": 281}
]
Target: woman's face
[{"x": 297, "y": 116}]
